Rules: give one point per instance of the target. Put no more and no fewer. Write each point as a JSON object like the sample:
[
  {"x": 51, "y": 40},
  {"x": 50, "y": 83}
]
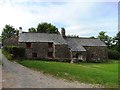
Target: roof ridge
[{"x": 40, "y": 33}]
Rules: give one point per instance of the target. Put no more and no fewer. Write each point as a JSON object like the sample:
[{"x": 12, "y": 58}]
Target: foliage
[
  {"x": 117, "y": 38},
  {"x": 32, "y": 29},
  {"x": 113, "y": 54},
  {"x": 96, "y": 73},
  {"x": 0, "y": 38},
  {"x": 73, "y": 36},
  {"x": 8, "y": 31},
  {"x": 92, "y": 37},
  {"x": 16, "y": 51},
  {"x": 7, "y": 54},
  {"x": 102, "y": 36},
  {"x": 46, "y": 28},
  {"x": 105, "y": 38}
]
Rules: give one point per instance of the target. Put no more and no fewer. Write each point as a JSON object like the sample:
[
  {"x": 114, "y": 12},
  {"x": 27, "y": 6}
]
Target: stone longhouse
[{"x": 61, "y": 47}]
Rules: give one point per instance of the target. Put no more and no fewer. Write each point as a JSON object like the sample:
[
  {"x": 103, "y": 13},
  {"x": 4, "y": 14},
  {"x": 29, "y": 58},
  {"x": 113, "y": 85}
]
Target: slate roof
[
  {"x": 77, "y": 44},
  {"x": 74, "y": 45},
  {"x": 42, "y": 37}
]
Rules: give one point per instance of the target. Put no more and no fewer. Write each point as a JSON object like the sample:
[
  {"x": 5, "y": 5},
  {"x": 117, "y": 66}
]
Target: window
[
  {"x": 50, "y": 45},
  {"x": 28, "y": 45},
  {"x": 50, "y": 54},
  {"x": 92, "y": 55},
  {"x": 34, "y": 54},
  {"x": 76, "y": 55}
]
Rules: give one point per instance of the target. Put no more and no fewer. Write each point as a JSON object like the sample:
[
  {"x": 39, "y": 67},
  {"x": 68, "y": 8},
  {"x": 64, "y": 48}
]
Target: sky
[{"x": 85, "y": 19}]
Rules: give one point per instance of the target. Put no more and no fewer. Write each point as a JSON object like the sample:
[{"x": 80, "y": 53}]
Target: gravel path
[{"x": 17, "y": 76}]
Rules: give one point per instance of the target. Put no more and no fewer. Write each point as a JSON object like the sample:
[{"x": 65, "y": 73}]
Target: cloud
[{"x": 80, "y": 18}]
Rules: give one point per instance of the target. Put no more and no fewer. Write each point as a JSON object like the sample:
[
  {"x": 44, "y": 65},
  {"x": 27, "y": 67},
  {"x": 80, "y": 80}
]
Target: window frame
[
  {"x": 28, "y": 44},
  {"x": 50, "y": 44},
  {"x": 92, "y": 55}
]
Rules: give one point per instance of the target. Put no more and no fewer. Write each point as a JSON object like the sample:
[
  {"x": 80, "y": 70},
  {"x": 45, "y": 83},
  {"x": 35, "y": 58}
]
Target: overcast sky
[{"x": 77, "y": 17}]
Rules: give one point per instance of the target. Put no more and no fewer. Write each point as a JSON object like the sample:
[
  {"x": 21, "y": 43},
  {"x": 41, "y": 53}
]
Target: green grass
[{"x": 94, "y": 73}]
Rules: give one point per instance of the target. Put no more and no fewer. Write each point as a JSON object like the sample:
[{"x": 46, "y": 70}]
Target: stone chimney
[
  {"x": 20, "y": 30},
  {"x": 63, "y": 32}
]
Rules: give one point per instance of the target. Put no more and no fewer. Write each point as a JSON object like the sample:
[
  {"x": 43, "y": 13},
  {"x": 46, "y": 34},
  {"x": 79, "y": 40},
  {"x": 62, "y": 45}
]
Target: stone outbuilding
[
  {"x": 87, "y": 49},
  {"x": 61, "y": 47}
]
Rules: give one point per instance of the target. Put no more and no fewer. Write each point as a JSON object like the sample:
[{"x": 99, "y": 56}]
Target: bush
[
  {"x": 113, "y": 54},
  {"x": 7, "y": 54},
  {"x": 15, "y": 50},
  {"x": 18, "y": 51}
]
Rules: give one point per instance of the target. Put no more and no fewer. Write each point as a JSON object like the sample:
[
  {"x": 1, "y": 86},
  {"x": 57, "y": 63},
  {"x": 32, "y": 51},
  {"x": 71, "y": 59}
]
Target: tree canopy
[
  {"x": 105, "y": 38},
  {"x": 118, "y": 41},
  {"x": 8, "y": 31},
  {"x": 45, "y": 27},
  {"x": 32, "y": 29}
]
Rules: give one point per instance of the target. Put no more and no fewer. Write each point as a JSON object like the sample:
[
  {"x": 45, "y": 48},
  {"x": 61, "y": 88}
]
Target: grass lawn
[{"x": 105, "y": 74}]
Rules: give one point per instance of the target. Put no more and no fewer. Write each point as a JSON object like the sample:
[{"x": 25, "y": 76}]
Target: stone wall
[
  {"x": 62, "y": 52},
  {"x": 95, "y": 53},
  {"x": 78, "y": 56},
  {"x": 40, "y": 48}
]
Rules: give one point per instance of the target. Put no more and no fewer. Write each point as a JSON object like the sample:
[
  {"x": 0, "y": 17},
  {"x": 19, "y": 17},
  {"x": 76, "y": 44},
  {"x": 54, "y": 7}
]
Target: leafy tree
[
  {"x": 105, "y": 38},
  {"x": 0, "y": 38},
  {"x": 8, "y": 31},
  {"x": 46, "y": 28},
  {"x": 102, "y": 36},
  {"x": 92, "y": 37},
  {"x": 32, "y": 29},
  {"x": 118, "y": 41},
  {"x": 73, "y": 36}
]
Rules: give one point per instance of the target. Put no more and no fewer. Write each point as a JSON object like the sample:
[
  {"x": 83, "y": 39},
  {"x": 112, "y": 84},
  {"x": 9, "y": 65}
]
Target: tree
[
  {"x": 8, "y": 31},
  {"x": 105, "y": 38},
  {"x": 102, "y": 36},
  {"x": 118, "y": 41},
  {"x": 46, "y": 28},
  {"x": 73, "y": 36},
  {"x": 32, "y": 29},
  {"x": 0, "y": 38},
  {"x": 92, "y": 37}
]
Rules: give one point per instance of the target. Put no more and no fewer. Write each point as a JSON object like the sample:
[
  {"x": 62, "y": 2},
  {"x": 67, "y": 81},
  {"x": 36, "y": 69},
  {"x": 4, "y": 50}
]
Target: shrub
[
  {"x": 15, "y": 50},
  {"x": 7, "y": 54},
  {"x": 113, "y": 54},
  {"x": 18, "y": 51}
]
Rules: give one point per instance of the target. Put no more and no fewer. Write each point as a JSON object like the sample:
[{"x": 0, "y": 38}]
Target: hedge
[
  {"x": 7, "y": 54},
  {"x": 113, "y": 54},
  {"x": 17, "y": 51}
]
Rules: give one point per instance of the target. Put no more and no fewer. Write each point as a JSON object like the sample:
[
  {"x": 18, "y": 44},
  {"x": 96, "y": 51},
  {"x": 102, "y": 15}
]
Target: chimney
[
  {"x": 20, "y": 30},
  {"x": 63, "y": 32}
]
